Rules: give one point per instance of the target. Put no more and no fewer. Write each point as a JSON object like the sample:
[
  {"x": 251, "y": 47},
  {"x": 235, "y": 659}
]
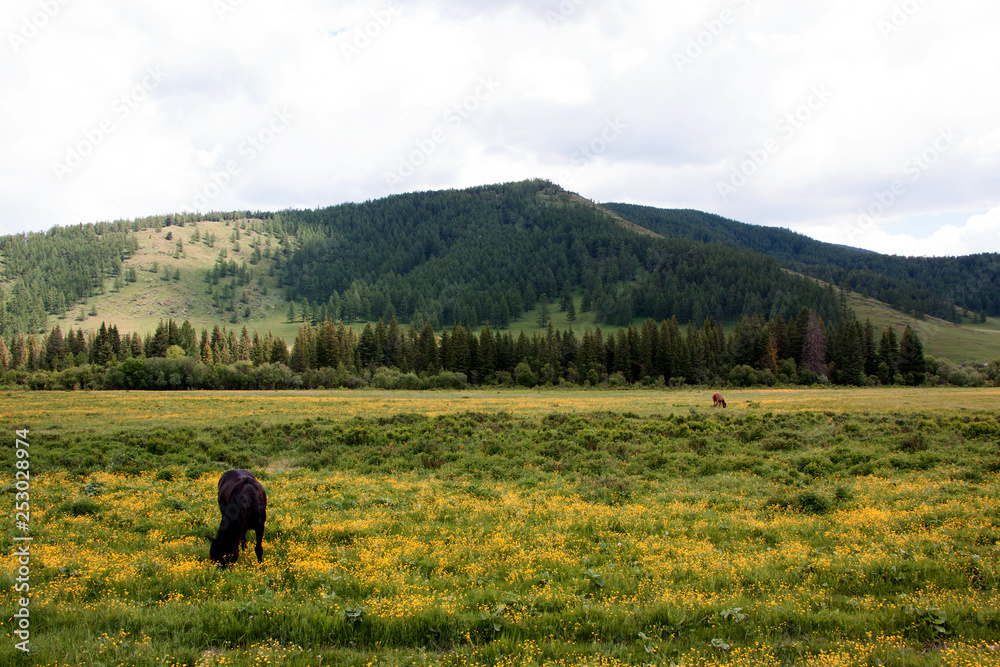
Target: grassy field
[
  {"x": 121, "y": 409},
  {"x": 812, "y": 527},
  {"x": 941, "y": 339}
]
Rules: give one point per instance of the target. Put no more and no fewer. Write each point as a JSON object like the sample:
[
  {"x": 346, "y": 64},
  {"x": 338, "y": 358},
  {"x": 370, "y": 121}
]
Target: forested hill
[
  {"x": 488, "y": 254},
  {"x": 921, "y": 285}
]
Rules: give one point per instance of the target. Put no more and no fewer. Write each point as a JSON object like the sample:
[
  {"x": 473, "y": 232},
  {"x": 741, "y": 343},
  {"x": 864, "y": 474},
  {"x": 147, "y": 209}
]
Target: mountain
[
  {"x": 502, "y": 254},
  {"x": 936, "y": 286},
  {"x": 490, "y": 253}
]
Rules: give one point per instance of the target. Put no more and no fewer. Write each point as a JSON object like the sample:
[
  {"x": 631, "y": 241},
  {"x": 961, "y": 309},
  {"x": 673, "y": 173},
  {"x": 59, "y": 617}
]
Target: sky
[{"x": 872, "y": 123}]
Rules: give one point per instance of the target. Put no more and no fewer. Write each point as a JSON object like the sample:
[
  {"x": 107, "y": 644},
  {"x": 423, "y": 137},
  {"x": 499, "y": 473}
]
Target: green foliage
[
  {"x": 486, "y": 253},
  {"x": 812, "y": 502},
  {"x": 80, "y": 507},
  {"x": 922, "y": 285}
]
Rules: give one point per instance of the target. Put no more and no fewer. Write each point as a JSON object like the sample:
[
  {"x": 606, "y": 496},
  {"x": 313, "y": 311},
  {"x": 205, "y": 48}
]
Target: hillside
[
  {"x": 491, "y": 253},
  {"x": 139, "y": 305},
  {"x": 938, "y": 286},
  {"x": 942, "y": 339},
  {"x": 500, "y": 254}
]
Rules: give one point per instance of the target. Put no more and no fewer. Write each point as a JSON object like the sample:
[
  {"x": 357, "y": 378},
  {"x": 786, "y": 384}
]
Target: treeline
[
  {"x": 803, "y": 350},
  {"x": 491, "y": 253},
  {"x": 937, "y": 286}
]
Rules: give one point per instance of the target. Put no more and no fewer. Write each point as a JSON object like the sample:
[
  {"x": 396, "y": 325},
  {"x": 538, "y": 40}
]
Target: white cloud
[{"x": 372, "y": 81}]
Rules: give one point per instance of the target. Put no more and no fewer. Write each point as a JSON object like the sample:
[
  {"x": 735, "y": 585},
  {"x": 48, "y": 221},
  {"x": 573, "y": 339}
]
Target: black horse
[{"x": 243, "y": 504}]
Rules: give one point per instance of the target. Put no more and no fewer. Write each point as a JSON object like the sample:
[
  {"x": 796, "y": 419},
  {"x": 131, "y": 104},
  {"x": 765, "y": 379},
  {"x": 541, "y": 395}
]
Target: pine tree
[
  {"x": 427, "y": 356},
  {"x": 911, "y": 358},
  {"x": 279, "y": 351},
  {"x": 55, "y": 347},
  {"x": 367, "y": 347},
  {"x": 245, "y": 345},
  {"x": 814, "y": 346},
  {"x": 850, "y": 357},
  {"x": 301, "y": 357},
  {"x": 888, "y": 356},
  {"x": 543, "y": 313},
  {"x": 797, "y": 334},
  {"x": 18, "y": 352}
]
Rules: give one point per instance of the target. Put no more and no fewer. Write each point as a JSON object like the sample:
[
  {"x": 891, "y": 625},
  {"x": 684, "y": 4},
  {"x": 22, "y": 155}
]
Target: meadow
[{"x": 798, "y": 527}]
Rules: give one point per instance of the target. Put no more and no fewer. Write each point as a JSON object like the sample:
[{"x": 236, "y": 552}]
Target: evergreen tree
[
  {"x": 797, "y": 334},
  {"x": 301, "y": 357},
  {"x": 888, "y": 356},
  {"x": 543, "y": 313},
  {"x": 55, "y": 348},
  {"x": 911, "y": 358},
  {"x": 850, "y": 353},
  {"x": 279, "y": 351},
  {"x": 18, "y": 352},
  {"x": 428, "y": 351},
  {"x": 367, "y": 347},
  {"x": 814, "y": 346},
  {"x": 245, "y": 345}
]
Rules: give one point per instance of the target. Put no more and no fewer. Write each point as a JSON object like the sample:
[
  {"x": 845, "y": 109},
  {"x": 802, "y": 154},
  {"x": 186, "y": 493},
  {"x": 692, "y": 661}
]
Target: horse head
[{"x": 221, "y": 554}]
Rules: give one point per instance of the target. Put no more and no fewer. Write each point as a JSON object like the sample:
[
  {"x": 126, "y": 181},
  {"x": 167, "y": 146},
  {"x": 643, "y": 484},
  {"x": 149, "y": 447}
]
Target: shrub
[
  {"x": 812, "y": 502},
  {"x": 524, "y": 375},
  {"x": 742, "y": 376},
  {"x": 616, "y": 380},
  {"x": 79, "y": 507}
]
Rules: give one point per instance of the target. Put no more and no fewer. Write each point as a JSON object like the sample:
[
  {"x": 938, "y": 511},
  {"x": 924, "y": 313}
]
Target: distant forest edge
[
  {"x": 802, "y": 351},
  {"x": 936, "y": 286},
  {"x": 490, "y": 254}
]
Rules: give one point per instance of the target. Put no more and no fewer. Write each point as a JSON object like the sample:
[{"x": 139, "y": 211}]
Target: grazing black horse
[{"x": 243, "y": 503}]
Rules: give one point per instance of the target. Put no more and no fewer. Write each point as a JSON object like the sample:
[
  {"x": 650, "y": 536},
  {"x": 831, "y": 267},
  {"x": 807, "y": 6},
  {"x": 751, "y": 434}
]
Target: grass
[
  {"x": 941, "y": 339},
  {"x": 141, "y": 305},
  {"x": 106, "y": 409},
  {"x": 813, "y": 527}
]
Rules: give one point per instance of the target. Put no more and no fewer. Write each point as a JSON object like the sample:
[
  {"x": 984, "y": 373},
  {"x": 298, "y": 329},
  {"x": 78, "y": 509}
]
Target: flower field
[{"x": 747, "y": 538}]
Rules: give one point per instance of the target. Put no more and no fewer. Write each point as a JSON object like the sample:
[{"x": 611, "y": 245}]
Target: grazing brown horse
[
  {"x": 243, "y": 504},
  {"x": 717, "y": 401}
]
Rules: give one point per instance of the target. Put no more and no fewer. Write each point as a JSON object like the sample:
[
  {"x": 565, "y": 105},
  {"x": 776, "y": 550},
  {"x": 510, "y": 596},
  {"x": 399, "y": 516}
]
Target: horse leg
[{"x": 259, "y": 549}]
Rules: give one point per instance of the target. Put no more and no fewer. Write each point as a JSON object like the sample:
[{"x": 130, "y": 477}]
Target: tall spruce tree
[{"x": 912, "y": 364}]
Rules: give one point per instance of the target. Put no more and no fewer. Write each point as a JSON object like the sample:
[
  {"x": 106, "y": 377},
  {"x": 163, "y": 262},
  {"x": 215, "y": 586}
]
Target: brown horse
[
  {"x": 243, "y": 503},
  {"x": 717, "y": 401}
]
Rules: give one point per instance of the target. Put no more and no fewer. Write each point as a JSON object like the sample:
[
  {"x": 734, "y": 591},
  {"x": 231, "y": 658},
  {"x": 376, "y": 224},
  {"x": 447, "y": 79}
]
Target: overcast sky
[{"x": 874, "y": 123}]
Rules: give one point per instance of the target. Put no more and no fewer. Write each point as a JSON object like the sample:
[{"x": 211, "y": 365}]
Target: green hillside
[
  {"x": 140, "y": 305},
  {"x": 942, "y": 339},
  {"x": 938, "y": 286},
  {"x": 488, "y": 254}
]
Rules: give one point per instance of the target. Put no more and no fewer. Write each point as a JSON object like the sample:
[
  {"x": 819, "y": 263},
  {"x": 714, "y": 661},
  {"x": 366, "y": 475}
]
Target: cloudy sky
[{"x": 874, "y": 123}]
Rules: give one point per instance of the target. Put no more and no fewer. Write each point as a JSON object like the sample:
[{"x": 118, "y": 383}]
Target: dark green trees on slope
[
  {"x": 921, "y": 285},
  {"x": 486, "y": 254}
]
